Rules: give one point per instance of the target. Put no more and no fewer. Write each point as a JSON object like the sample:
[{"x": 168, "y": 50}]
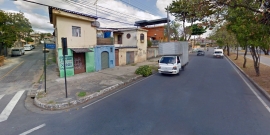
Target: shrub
[{"x": 144, "y": 70}]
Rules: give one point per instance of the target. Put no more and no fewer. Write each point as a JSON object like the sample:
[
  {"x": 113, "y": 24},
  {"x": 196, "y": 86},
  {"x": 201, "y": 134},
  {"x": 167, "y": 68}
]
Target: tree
[
  {"x": 174, "y": 30},
  {"x": 13, "y": 26}
]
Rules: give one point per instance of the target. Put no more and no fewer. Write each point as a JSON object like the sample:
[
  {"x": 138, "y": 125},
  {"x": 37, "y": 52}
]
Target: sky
[{"x": 124, "y": 13}]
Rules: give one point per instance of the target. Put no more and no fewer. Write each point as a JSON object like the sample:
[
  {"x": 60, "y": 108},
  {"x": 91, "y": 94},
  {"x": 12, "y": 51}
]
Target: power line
[
  {"x": 101, "y": 12},
  {"x": 90, "y": 4},
  {"x": 100, "y": 17},
  {"x": 57, "y": 7}
]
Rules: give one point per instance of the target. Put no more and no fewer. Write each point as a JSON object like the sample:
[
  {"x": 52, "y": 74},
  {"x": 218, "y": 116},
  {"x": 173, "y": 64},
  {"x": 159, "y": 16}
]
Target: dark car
[{"x": 200, "y": 53}]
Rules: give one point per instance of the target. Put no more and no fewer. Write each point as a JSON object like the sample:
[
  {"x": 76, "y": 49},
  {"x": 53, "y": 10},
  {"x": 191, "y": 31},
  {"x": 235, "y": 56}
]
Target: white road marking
[
  {"x": 116, "y": 92},
  {"x": 33, "y": 129},
  {"x": 6, "y": 112},
  {"x": 264, "y": 104},
  {"x": 1, "y": 96}
]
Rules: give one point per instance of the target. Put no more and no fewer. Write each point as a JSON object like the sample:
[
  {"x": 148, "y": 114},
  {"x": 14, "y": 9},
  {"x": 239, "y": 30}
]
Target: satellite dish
[{"x": 95, "y": 24}]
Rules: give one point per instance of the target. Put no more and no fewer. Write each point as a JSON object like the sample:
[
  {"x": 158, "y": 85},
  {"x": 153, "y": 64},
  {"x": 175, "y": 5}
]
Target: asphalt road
[
  {"x": 209, "y": 97},
  {"x": 22, "y": 72}
]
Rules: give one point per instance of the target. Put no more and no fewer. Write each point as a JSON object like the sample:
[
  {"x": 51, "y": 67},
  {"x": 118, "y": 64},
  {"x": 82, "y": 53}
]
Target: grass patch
[
  {"x": 154, "y": 68},
  {"x": 40, "y": 95},
  {"x": 51, "y": 102},
  {"x": 81, "y": 94},
  {"x": 133, "y": 64}
]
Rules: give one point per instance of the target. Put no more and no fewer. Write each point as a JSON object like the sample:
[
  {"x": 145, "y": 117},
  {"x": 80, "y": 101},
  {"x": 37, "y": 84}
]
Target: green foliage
[
  {"x": 144, "y": 70},
  {"x": 81, "y": 94},
  {"x": 28, "y": 39},
  {"x": 13, "y": 26},
  {"x": 174, "y": 30},
  {"x": 149, "y": 43},
  {"x": 197, "y": 30}
]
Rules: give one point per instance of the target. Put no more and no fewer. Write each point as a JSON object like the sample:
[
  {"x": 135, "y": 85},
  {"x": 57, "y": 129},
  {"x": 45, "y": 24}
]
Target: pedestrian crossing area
[{"x": 8, "y": 103}]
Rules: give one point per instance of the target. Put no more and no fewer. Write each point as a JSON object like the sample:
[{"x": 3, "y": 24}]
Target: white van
[
  {"x": 27, "y": 47},
  {"x": 218, "y": 53},
  {"x": 17, "y": 51}
]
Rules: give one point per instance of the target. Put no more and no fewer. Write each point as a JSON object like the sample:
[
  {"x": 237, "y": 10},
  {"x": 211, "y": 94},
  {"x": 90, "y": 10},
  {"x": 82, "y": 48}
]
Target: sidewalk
[{"x": 93, "y": 84}]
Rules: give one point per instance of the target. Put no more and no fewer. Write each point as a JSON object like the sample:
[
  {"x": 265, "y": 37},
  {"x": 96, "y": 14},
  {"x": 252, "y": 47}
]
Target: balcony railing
[
  {"x": 104, "y": 41},
  {"x": 118, "y": 42}
]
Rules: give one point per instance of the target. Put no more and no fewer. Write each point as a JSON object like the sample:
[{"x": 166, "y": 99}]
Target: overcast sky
[{"x": 127, "y": 11}]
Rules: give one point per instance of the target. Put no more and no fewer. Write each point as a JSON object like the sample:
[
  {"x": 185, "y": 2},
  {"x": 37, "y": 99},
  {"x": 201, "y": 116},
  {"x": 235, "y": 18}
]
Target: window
[
  {"x": 141, "y": 37},
  {"x": 128, "y": 36},
  {"x": 76, "y": 31}
]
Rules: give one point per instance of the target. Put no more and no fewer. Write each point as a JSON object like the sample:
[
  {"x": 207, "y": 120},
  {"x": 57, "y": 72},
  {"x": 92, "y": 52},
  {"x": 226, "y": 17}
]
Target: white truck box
[{"x": 179, "y": 48}]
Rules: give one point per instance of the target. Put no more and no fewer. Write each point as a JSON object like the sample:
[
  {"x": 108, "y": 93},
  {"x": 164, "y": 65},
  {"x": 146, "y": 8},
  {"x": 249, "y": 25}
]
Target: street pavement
[
  {"x": 91, "y": 83},
  {"x": 209, "y": 97}
]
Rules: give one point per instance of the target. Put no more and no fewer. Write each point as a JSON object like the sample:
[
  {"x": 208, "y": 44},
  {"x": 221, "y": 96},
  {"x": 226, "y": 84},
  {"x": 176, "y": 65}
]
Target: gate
[
  {"x": 130, "y": 57},
  {"x": 116, "y": 57},
  {"x": 104, "y": 60},
  {"x": 79, "y": 63}
]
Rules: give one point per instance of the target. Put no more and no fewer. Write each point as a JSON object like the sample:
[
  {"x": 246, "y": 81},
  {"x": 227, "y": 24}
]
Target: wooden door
[
  {"x": 79, "y": 63},
  {"x": 116, "y": 57}
]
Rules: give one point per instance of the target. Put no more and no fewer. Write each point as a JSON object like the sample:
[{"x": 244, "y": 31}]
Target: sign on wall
[{"x": 69, "y": 62}]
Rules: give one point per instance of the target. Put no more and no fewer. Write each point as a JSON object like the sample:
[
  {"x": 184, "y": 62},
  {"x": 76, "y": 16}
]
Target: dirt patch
[{"x": 262, "y": 80}]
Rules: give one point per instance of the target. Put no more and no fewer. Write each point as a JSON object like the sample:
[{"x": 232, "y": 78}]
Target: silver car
[{"x": 17, "y": 51}]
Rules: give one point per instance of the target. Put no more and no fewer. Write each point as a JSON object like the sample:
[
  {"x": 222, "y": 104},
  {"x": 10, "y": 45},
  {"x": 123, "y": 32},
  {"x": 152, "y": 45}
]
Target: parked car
[
  {"x": 33, "y": 47},
  {"x": 27, "y": 47},
  {"x": 200, "y": 53},
  {"x": 17, "y": 51}
]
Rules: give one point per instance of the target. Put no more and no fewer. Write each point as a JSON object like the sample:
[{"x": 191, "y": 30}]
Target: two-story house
[
  {"x": 81, "y": 40},
  {"x": 130, "y": 44}
]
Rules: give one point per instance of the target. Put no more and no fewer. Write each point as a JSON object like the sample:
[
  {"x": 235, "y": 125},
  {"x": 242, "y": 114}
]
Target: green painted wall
[
  {"x": 69, "y": 63},
  {"x": 90, "y": 61}
]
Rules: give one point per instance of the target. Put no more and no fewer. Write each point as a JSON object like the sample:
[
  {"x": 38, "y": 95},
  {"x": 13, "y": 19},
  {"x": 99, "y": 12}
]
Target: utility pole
[
  {"x": 95, "y": 3},
  {"x": 168, "y": 24}
]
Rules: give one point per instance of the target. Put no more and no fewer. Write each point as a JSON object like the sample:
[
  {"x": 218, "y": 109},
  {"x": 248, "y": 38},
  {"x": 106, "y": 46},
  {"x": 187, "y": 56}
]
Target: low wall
[
  {"x": 152, "y": 52},
  {"x": 2, "y": 58}
]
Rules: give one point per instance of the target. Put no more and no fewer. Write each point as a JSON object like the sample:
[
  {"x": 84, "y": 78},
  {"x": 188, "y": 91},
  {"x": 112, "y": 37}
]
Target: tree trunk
[
  {"x": 266, "y": 51},
  {"x": 255, "y": 53},
  {"x": 236, "y": 52},
  {"x": 228, "y": 50},
  {"x": 245, "y": 59}
]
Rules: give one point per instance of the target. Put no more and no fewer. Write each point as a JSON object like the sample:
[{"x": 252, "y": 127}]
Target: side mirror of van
[{"x": 178, "y": 61}]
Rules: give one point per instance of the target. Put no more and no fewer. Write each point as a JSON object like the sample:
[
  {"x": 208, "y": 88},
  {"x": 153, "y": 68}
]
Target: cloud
[
  {"x": 2, "y": 1},
  {"x": 162, "y": 4}
]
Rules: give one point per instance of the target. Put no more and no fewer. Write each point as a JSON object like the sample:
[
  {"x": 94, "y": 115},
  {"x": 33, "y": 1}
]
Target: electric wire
[
  {"x": 102, "y": 17},
  {"x": 86, "y": 4}
]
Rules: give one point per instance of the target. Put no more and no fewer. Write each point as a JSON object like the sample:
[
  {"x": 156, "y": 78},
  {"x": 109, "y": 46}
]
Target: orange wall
[{"x": 159, "y": 31}]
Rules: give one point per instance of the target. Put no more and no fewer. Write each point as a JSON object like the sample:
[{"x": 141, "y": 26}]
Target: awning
[{"x": 81, "y": 50}]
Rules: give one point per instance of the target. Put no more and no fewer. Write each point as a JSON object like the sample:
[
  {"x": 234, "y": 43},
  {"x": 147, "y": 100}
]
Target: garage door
[
  {"x": 104, "y": 60},
  {"x": 130, "y": 57}
]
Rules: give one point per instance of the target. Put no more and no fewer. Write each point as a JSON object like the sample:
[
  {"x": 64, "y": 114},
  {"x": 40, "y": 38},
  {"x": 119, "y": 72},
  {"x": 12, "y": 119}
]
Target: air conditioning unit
[{"x": 95, "y": 24}]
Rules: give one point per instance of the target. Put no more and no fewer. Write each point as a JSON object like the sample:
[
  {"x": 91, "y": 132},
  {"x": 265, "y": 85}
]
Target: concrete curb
[
  {"x": 69, "y": 104},
  {"x": 262, "y": 91}
]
